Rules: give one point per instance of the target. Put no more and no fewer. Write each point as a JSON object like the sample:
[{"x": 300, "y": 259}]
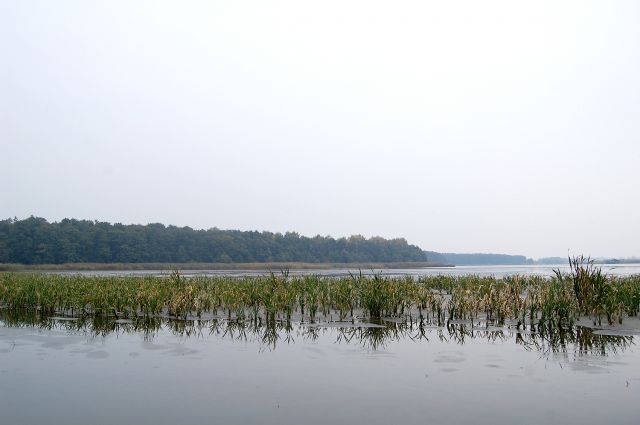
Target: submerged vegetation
[{"x": 532, "y": 302}]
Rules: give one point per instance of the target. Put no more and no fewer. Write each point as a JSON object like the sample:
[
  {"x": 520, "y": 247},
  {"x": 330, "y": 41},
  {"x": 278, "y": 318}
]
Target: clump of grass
[
  {"x": 375, "y": 295},
  {"x": 597, "y": 295}
]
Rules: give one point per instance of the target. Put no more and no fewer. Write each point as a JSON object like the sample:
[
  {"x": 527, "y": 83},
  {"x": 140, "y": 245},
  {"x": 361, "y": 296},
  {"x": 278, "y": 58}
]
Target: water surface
[
  {"x": 497, "y": 271},
  {"x": 74, "y": 371}
]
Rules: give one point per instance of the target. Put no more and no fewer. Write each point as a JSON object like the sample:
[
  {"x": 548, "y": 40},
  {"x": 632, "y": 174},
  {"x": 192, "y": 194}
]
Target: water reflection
[{"x": 372, "y": 336}]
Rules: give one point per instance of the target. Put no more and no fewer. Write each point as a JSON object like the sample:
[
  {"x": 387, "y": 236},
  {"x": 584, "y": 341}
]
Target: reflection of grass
[
  {"x": 268, "y": 334},
  {"x": 549, "y": 303},
  {"x": 580, "y": 340}
]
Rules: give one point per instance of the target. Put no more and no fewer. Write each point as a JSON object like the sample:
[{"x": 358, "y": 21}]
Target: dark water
[{"x": 59, "y": 371}]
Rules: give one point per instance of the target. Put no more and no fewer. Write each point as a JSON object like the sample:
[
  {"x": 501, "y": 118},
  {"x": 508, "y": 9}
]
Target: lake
[
  {"x": 161, "y": 371},
  {"x": 498, "y": 271}
]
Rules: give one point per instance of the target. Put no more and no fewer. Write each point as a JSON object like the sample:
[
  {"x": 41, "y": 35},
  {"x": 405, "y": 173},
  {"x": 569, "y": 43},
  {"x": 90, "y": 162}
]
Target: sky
[{"x": 462, "y": 126}]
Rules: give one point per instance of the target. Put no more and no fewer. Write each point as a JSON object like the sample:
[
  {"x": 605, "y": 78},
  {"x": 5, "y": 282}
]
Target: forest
[
  {"x": 478, "y": 259},
  {"x": 34, "y": 240}
]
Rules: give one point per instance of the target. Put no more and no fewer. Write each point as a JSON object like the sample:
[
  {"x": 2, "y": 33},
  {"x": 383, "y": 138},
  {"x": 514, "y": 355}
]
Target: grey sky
[{"x": 463, "y": 126}]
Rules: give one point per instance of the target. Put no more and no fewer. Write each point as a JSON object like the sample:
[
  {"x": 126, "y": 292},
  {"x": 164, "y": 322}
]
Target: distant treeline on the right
[
  {"x": 490, "y": 259},
  {"x": 512, "y": 260}
]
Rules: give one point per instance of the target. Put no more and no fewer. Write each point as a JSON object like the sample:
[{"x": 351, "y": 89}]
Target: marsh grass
[
  {"x": 522, "y": 301},
  {"x": 597, "y": 295}
]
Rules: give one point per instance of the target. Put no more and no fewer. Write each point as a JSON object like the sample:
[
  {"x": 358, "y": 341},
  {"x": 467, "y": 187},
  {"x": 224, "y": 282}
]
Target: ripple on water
[
  {"x": 450, "y": 357},
  {"x": 7, "y": 347},
  {"x": 148, "y": 345},
  {"x": 449, "y": 369},
  {"x": 346, "y": 325},
  {"x": 98, "y": 354}
]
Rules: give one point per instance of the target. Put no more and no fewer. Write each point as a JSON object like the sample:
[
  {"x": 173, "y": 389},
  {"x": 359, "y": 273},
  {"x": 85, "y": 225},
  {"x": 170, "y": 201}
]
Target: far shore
[{"x": 216, "y": 266}]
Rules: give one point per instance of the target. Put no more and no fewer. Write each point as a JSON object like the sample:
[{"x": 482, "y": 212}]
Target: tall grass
[
  {"x": 597, "y": 295},
  {"x": 555, "y": 302}
]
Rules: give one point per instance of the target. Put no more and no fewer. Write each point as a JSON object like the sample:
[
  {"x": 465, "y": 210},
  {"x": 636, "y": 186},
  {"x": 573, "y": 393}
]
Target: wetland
[{"x": 299, "y": 348}]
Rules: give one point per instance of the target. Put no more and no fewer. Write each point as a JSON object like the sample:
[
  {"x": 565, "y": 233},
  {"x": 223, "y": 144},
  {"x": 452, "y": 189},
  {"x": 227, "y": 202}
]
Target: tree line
[
  {"x": 36, "y": 241},
  {"x": 479, "y": 259}
]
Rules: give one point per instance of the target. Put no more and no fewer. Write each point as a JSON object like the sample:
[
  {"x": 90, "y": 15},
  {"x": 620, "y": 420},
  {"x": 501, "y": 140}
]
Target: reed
[{"x": 523, "y": 301}]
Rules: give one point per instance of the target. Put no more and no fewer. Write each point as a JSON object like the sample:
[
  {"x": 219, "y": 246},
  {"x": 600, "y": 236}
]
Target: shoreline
[{"x": 215, "y": 266}]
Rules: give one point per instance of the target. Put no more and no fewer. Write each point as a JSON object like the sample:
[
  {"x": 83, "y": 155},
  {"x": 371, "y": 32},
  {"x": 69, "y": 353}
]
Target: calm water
[
  {"x": 498, "y": 271},
  {"x": 59, "y": 371}
]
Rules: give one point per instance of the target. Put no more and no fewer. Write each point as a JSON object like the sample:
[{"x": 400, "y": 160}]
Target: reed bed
[{"x": 521, "y": 301}]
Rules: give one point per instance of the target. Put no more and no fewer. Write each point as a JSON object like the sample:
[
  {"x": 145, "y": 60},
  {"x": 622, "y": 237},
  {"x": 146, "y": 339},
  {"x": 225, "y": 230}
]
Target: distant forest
[
  {"x": 490, "y": 259},
  {"x": 36, "y": 241},
  {"x": 478, "y": 259}
]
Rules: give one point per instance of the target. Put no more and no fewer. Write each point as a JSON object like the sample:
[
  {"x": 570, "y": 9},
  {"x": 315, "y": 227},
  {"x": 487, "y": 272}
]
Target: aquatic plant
[{"x": 550, "y": 302}]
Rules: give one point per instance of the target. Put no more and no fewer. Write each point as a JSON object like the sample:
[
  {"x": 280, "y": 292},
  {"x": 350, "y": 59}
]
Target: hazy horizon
[
  {"x": 568, "y": 253},
  {"x": 465, "y": 127}
]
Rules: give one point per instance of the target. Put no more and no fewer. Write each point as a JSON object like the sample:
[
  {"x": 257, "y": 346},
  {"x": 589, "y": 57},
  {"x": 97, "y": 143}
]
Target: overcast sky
[{"x": 477, "y": 126}]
